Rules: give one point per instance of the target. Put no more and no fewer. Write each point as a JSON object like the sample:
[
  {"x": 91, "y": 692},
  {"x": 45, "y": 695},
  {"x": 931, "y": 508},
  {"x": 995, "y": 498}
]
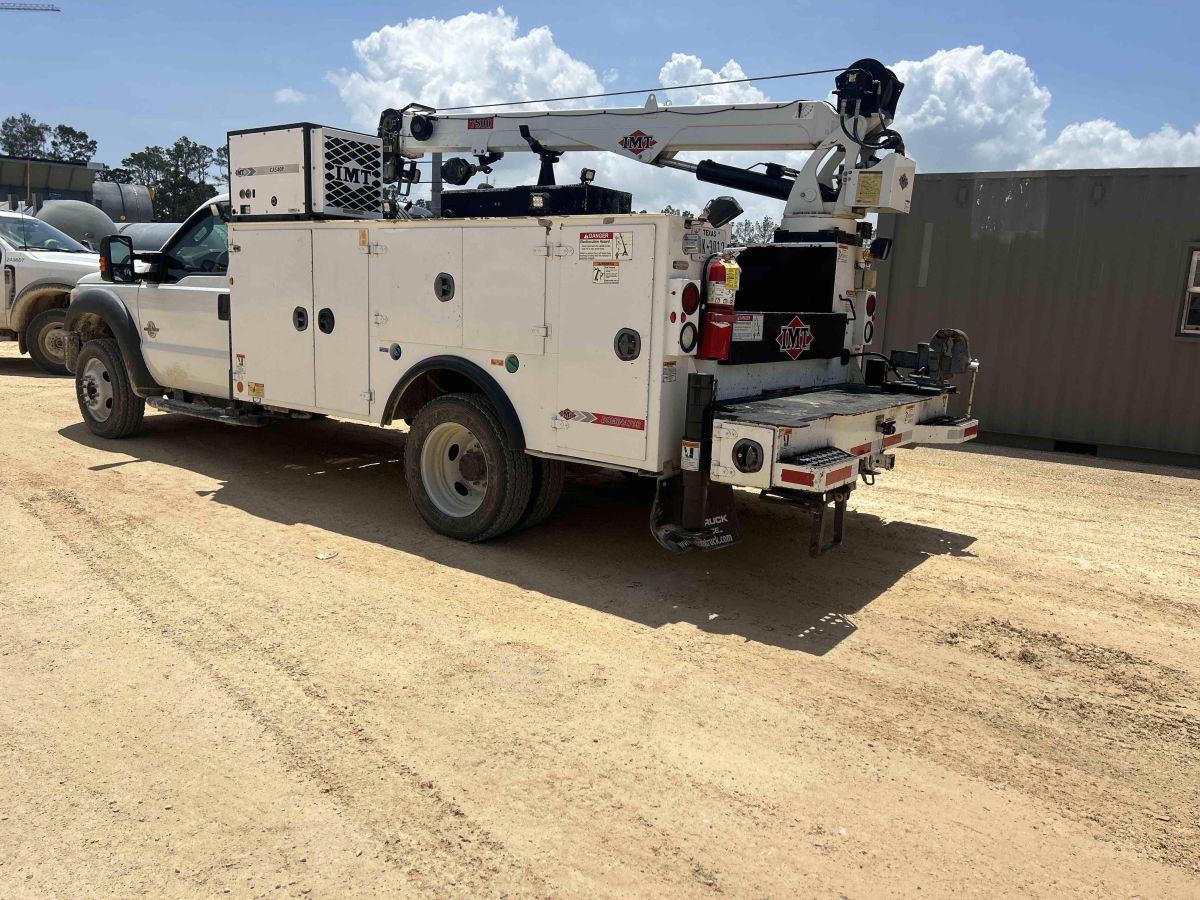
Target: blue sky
[{"x": 132, "y": 73}]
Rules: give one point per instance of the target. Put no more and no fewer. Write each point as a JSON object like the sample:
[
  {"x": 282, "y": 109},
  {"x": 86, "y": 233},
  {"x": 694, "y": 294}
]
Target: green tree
[
  {"x": 221, "y": 160},
  {"x": 672, "y": 211},
  {"x": 178, "y": 175},
  {"x": 70, "y": 145},
  {"x": 748, "y": 231},
  {"x": 23, "y": 135}
]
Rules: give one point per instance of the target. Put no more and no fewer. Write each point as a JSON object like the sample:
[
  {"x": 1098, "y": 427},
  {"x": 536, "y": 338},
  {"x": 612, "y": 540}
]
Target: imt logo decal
[
  {"x": 794, "y": 338},
  {"x": 638, "y": 142},
  {"x": 347, "y": 174}
]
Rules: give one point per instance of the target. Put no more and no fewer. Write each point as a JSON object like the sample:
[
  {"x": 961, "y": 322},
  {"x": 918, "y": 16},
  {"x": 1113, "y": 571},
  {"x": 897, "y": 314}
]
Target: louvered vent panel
[{"x": 356, "y": 156}]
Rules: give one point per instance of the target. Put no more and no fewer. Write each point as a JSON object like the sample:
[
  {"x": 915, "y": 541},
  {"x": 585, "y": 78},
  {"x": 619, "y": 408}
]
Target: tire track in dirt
[{"x": 428, "y": 850}]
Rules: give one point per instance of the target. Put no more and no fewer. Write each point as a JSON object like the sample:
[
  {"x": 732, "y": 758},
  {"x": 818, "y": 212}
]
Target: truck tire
[
  {"x": 47, "y": 341},
  {"x": 548, "y": 475},
  {"x": 467, "y": 482},
  {"x": 110, "y": 407}
]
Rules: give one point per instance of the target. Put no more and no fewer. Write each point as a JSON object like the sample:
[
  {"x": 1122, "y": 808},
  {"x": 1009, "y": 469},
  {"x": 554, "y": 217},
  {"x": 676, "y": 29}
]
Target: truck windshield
[{"x": 28, "y": 233}]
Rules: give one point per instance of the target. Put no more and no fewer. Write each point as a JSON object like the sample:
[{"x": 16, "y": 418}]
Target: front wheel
[
  {"x": 465, "y": 479},
  {"x": 110, "y": 407},
  {"x": 47, "y": 341}
]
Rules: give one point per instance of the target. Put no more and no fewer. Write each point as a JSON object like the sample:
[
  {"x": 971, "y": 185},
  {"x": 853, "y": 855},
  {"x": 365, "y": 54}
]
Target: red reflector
[
  {"x": 892, "y": 439},
  {"x": 973, "y": 429},
  {"x": 793, "y": 477},
  {"x": 870, "y": 304},
  {"x": 672, "y": 317},
  {"x": 838, "y": 475},
  {"x": 691, "y": 299},
  {"x": 861, "y": 450}
]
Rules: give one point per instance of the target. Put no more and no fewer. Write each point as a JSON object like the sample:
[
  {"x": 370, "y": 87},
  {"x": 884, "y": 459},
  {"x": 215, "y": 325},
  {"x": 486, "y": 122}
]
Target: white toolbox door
[
  {"x": 604, "y": 399},
  {"x": 406, "y": 307},
  {"x": 504, "y": 288},
  {"x": 272, "y": 278},
  {"x": 340, "y": 299}
]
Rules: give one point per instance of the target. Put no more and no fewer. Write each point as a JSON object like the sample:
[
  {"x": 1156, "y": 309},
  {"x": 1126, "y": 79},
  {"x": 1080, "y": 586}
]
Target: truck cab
[
  {"x": 41, "y": 266},
  {"x": 169, "y": 307}
]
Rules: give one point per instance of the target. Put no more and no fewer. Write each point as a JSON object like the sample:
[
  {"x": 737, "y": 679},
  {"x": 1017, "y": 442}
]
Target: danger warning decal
[
  {"x": 606, "y": 245},
  {"x": 638, "y": 142},
  {"x": 794, "y": 338},
  {"x": 591, "y": 418}
]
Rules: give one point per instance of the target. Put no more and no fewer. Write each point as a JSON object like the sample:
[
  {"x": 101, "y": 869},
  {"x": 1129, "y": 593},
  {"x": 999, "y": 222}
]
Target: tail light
[
  {"x": 869, "y": 324},
  {"x": 691, "y": 299},
  {"x": 682, "y": 332}
]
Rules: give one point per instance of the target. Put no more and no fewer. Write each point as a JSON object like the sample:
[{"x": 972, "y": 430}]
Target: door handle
[
  {"x": 223, "y": 307},
  {"x": 325, "y": 320},
  {"x": 300, "y": 318}
]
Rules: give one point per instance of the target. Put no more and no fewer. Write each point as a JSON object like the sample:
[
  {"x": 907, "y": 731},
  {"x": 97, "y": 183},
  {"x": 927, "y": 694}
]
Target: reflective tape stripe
[
  {"x": 792, "y": 476},
  {"x": 838, "y": 475}
]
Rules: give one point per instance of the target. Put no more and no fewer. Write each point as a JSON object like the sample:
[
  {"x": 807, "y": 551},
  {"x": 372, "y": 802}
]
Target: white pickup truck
[{"x": 41, "y": 266}]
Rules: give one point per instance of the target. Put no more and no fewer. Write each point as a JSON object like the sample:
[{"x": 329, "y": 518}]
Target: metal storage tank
[
  {"x": 124, "y": 202},
  {"x": 148, "y": 236},
  {"x": 1072, "y": 286},
  {"x": 80, "y": 220}
]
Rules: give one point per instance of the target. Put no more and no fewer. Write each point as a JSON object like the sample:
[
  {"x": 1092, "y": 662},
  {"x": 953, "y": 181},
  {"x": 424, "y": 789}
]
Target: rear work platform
[{"x": 810, "y": 447}]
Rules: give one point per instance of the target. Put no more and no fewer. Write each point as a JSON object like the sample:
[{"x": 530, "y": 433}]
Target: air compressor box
[{"x": 304, "y": 171}]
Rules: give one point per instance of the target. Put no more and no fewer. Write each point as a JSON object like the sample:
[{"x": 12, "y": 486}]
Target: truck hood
[{"x": 59, "y": 258}]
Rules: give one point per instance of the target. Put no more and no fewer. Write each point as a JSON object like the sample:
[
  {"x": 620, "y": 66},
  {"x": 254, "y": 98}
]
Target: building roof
[{"x": 44, "y": 175}]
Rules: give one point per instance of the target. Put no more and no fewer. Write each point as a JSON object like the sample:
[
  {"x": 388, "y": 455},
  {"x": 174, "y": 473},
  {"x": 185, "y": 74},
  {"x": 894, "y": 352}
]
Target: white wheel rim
[
  {"x": 95, "y": 388},
  {"x": 53, "y": 341},
  {"x": 454, "y": 470}
]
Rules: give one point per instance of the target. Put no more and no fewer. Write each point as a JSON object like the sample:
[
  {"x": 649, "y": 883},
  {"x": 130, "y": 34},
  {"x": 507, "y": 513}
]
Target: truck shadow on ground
[
  {"x": 596, "y": 550},
  {"x": 23, "y": 367}
]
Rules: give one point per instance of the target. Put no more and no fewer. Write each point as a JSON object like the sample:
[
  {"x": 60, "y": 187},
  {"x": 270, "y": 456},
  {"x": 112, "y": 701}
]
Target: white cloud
[
  {"x": 290, "y": 95},
  {"x": 1103, "y": 144},
  {"x": 962, "y": 109},
  {"x": 685, "y": 69},
  {"x": 474, "y": 58},
  {"x": 966, "y": 110}
]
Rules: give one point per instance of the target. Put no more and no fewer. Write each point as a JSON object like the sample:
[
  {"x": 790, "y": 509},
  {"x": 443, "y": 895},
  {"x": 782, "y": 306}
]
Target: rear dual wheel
[{"x": 465, "y": 478}]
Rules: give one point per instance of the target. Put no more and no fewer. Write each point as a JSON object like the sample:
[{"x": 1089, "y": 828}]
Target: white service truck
[
  {"x": 531, "y": 327},
  {"x": 41, "y": 266}
]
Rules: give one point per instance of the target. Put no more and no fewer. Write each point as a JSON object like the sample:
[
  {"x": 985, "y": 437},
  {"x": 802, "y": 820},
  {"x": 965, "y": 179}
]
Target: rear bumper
[{"x": 817, "y": 441}]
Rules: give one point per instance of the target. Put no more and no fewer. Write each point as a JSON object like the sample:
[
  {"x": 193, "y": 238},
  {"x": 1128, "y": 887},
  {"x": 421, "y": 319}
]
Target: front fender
[
  {"x": 97, "y": 302},
  {"x": 19, "y": 316}
]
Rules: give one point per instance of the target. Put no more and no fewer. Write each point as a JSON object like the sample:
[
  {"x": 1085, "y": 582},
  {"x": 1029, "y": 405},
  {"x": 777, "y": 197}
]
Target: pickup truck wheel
[
  {"x": 465, "y": 479},
  {"x": 548, "y": 475},
  {"x": 47, "y": 341},
  {"x": 110, "y": 407}
]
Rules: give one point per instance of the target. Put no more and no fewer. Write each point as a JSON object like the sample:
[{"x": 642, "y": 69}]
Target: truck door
[
  {"x": 606, "y": 299},
  {"x": 184, "y": 343},
  {"x": 341, "y": 332},
  {"x": 272, "y": 315}
]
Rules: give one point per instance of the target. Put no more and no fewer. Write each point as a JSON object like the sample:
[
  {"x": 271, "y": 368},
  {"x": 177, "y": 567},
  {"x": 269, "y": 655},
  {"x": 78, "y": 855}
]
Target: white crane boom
[{"x": 843, "y": 179}]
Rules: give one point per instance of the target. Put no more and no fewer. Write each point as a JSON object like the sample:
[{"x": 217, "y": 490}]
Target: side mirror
[{"x": 116, "y": 259}]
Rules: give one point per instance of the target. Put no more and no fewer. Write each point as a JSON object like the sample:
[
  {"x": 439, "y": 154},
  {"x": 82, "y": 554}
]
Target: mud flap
[{"x": 720, "y": 518}]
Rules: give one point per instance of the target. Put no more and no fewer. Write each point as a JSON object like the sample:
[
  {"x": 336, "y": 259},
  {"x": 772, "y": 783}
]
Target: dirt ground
[{"x": 992, "y": 690}]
